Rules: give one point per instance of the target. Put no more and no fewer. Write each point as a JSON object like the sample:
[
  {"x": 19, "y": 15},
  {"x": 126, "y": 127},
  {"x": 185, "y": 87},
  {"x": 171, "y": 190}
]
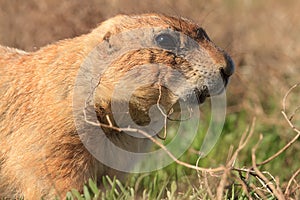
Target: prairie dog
[{"x": 41, "y": 152}]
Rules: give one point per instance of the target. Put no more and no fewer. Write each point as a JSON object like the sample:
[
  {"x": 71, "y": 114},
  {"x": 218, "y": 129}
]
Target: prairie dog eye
[{"x": 166, "y": 41}]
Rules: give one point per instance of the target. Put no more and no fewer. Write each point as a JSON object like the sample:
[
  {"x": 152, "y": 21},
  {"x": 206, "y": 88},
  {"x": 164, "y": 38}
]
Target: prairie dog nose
[{"x": 228, "y": 69}]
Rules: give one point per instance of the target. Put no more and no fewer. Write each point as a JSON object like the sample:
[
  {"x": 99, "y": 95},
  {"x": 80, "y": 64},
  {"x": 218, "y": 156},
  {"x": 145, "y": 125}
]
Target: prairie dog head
[{"x": 153, "y": 58}]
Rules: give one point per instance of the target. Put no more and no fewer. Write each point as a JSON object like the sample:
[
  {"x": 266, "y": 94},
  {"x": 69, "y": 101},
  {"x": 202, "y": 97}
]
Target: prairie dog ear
[{"x": 107, "y": 36}]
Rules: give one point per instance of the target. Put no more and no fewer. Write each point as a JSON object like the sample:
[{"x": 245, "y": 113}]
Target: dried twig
[
  {"x": 258, "y": 193},
  {"x": 163, "y": 113},
  {"x": 223, "y": 181},
  {"x": 209, "y": 191},
  {"x": 288, "y": 119},
  {"x": 243, "y": 141},
  {"x": 244, "y": 184},
  {"x": 287, "y": 190},
  {"x": 294, "y": 113},
  {"x": 287, "y": 94},
  {"x": 209, "y": 170},
  {"x": 288, "y": 145},
  {"x": 276, "y": 191},
  {"x": 109, "y": 121},
  {"x": 230, "y": 163}
]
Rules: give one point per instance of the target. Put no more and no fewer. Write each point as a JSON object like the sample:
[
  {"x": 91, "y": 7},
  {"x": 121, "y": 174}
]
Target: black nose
[{"x": 229, "y": 68}]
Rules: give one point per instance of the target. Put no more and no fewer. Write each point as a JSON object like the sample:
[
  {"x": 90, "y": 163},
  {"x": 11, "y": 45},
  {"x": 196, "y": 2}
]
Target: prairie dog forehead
[{"x": 122, "y": 23}]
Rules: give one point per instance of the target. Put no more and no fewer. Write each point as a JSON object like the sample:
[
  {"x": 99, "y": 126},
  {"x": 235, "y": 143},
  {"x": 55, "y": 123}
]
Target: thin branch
[
  {"x": 288, "y": 119},
  {"x": 229, "y": 165},
  {"x": 223, "y": 181},
  {"x": 109, "y": 121},
  {"x": 286, "y": 95},
  {"x": 163, "y": 113},
  {"x": 257, "y": 192},
  {"x": 230, "y": 154},
  {"x": 243, "y": 141},
  {"x": 290, "y": 182},
  {"x": 288, "y": 145},
  {"x": 244, "y": 184},
  {"x": 210, "y": 194},
  {"x": 294, "y": 113},
  {"x": 211, "y": 170},
  {"x": 275, "y": 191},
  {"x": 295, "y": 190}
]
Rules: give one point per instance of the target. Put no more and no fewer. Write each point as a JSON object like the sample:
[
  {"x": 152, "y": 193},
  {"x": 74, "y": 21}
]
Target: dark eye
[
  {"x": 166, "y": 41},
  {"x": 201, "y": 34}
]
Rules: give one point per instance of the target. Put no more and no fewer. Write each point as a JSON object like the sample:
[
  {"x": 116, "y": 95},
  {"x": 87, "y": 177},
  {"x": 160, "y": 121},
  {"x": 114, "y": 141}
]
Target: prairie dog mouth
[{"x": 201, "y": 94}]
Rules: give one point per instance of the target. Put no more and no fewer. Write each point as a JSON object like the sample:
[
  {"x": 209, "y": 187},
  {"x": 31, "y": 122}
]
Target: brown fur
[{"x": 41, "y": 153}]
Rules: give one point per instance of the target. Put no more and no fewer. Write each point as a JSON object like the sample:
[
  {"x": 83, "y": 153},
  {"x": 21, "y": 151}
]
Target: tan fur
[{"x": 41, "y": 153}]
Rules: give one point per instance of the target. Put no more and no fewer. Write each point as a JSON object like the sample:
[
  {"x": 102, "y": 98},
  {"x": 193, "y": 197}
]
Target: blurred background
[{"x": 263, "y": 38}]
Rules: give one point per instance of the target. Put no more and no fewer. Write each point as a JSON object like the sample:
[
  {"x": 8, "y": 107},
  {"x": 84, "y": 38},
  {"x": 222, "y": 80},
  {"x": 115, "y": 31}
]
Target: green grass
[{"x": 178, "y": 182}]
